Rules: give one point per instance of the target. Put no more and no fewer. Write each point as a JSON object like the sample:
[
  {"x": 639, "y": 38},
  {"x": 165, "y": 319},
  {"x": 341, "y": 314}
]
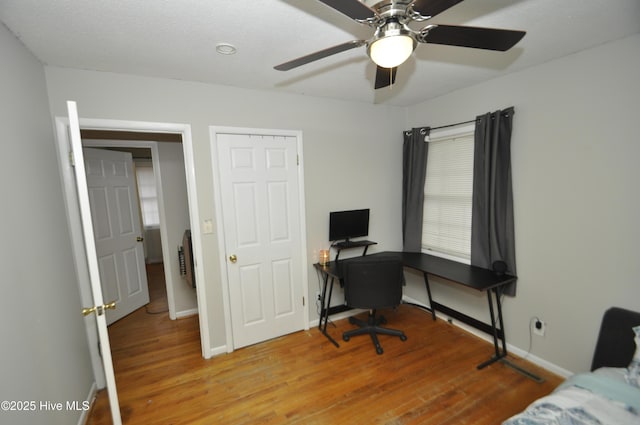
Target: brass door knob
[
  {"x": 139, "y": 239},
  {"x": 99, "y": 310},
  {"x": 233, "y": 258}
]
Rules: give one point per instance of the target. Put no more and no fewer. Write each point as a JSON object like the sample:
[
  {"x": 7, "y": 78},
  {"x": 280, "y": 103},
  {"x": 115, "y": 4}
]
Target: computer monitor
[{"x": 344, "y": 225}]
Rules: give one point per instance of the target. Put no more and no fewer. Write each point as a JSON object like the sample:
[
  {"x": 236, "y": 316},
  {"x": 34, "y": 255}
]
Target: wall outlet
[
  {"x": 539, "y": 327},
  {"x": 317, "y": 295}
]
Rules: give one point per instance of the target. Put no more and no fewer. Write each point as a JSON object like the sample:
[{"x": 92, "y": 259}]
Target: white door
[
  {"x": 261, "y": 214},
  {"x": 92, "y": 260},
  {"x": 117, "y": 230}
]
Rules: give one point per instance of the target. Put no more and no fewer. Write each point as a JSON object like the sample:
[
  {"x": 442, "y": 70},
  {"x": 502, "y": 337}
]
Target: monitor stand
[{"x": 348, "y": 244}]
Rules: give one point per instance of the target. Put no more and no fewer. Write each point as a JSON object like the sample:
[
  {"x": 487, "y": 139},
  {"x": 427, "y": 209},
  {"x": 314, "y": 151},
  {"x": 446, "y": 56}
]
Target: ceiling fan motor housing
[{"x": 388, "y": 8}]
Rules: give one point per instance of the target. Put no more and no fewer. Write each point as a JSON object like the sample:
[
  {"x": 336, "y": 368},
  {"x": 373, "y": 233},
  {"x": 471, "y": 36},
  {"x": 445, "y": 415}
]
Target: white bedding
[{"x": 599, "y": 398}]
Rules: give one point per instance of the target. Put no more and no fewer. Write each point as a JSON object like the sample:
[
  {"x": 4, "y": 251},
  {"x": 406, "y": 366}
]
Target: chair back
[{"x": 373, "y": 283}]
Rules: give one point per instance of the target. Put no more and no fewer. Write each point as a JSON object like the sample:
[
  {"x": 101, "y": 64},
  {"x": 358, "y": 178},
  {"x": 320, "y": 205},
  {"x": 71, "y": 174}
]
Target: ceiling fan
[{"x": 394, "y": 41}]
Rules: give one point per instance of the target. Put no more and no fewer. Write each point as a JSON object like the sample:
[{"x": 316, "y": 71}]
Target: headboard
[{"x": 616, "y": 346}]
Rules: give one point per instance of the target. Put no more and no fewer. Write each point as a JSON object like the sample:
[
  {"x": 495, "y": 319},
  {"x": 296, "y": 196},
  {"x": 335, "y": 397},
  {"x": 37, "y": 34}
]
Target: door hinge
[
  {"x": 302, "y": 301},
  {"x": 71, "y": 160},
  {"x": 297, "y": 159}
]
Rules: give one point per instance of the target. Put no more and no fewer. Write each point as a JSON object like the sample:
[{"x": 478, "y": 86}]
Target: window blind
[
  {"x": 148, "y": 195},
  {"x": 448, "y": 196}
]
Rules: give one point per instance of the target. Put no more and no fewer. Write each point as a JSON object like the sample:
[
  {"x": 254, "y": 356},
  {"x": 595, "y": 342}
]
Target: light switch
[{"x": 208, "y": 227}]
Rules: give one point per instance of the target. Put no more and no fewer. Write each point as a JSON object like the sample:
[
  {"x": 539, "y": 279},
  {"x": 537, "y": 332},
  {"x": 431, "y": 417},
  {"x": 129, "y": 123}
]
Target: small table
[{"x": 473, "y": 277}]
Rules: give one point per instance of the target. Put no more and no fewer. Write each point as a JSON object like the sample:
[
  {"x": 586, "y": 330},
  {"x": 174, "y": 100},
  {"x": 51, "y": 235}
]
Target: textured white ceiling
[{"x": 176, "y": 39}]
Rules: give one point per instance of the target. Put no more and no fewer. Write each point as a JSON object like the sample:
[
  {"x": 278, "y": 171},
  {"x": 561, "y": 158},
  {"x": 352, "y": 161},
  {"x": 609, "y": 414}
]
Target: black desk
[{"x": 468, "y": 276}]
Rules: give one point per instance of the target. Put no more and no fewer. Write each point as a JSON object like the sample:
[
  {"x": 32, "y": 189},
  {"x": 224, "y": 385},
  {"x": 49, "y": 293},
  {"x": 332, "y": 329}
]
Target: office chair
[{"x": 372, "y": 284}]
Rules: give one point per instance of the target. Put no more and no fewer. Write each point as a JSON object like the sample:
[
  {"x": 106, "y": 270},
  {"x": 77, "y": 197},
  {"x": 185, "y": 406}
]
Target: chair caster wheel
[
  {"x": 345, "y": 338},
  {"x": 379, "y": 350},
  {"x": 403, "y": 338}
]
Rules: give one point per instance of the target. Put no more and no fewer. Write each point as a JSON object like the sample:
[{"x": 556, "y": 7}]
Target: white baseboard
[
  {"x": 343, "y": 315},
  {"x": 91, "y": 399},
  {"x": 186, "y": 313},
  {"x": 551, "y": 367},
  {"x": 216, "y": 351}
]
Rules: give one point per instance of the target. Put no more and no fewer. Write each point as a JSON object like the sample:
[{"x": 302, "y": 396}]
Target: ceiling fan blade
[
  {"x": 352, "y": 8},
  {"x": 319, "y": 55},
  {"x": 475, "y": 37},
  {"x": 385, "y": 77},
  {"x": 433, "y": 7}
]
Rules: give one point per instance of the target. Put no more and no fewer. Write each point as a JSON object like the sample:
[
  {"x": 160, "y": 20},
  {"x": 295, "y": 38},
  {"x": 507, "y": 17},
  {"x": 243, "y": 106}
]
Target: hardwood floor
[{"x": 303, "y": 379}]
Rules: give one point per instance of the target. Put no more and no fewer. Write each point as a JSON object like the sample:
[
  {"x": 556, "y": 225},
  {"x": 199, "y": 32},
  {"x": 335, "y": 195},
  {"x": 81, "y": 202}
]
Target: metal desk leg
[
  {"x": 323, "y": 297},
  {"x": 433, "y": 310},
  {"x": 501, "y": 354},
  {"x": 324, "y": 310},
  {"x": 498, "y": 292},
  {"x": 498, "y": 354}
]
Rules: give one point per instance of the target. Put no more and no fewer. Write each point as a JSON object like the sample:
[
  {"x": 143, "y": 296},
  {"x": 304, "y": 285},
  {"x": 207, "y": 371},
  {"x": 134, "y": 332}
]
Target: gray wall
[
  {"x": 352, "y": 151},
  {"x": 575, "y": 157},
  {"x": 44, "y": 355},
  {"x": 174, "y": 190}
]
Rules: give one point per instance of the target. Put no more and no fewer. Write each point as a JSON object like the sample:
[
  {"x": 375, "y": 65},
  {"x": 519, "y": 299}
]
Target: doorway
[
  {"x": 75, "y": 228},
  {"x": 165, "y": 230}
]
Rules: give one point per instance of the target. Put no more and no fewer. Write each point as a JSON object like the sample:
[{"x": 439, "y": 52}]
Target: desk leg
[
  {"x": 324, "y": 309},
  {"x": 501, "y": 354},
  {"x": 323, "y": 297},
  {"x": 498, "y": 353},
  {"x": 426, "y": 282},
  {"x": 498, "y": 292}
]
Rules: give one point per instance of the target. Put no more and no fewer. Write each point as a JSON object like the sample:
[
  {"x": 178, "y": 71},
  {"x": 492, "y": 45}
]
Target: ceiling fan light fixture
[
  {"x": 392, "y": 44},
  {"x": 391, "y": 51}
]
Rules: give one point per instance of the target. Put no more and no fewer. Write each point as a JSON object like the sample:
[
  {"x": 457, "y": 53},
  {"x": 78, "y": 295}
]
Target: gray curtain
[
  {"x": 492, "y": 229},
  {"x": 414, "y": 169}
]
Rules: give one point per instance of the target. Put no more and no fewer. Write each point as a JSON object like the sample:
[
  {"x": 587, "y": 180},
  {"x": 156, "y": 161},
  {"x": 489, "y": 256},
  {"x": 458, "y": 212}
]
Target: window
[
  {"x": 147, "y": 194},
  {"x": 446, "y": 227}
]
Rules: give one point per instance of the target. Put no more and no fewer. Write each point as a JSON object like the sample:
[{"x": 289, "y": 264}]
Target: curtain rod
[
  {"x": 504, "y": 111},
  {"x": 453, "y": 125}
]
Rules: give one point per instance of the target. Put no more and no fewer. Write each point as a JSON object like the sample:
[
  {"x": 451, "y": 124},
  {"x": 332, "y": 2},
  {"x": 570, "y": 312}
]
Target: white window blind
[
  {"x": 148, "y": 194},
  {"x": 448, "y": 193}
]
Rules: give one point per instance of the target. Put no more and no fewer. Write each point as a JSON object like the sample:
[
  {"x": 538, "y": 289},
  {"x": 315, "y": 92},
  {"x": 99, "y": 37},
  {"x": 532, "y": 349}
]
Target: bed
[{"x": 609, "y": 394}]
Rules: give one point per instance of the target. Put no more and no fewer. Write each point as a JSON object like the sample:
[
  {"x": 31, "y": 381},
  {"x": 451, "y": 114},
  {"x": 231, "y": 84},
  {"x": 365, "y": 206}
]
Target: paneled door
[
  {"x": 99, "y": 306},
  {"x": 261, "y": 208},
  {"x": 117, "y": 230}
]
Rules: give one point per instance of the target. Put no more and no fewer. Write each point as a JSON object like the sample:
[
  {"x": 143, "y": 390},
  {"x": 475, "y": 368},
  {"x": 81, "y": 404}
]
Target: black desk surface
[{"x": 470, "y": 276}]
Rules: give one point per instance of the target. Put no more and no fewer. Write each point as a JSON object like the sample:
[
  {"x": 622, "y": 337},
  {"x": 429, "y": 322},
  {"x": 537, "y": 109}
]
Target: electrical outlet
[
  {"x": 539, "y": 327},
  {"x": 317, "y": 295}
]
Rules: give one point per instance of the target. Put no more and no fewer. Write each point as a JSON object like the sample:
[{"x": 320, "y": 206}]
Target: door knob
[
  {"x": 139, "y": 239},
  {"x": 233, "y": 258},
  {"x": 99, "y": 310}
]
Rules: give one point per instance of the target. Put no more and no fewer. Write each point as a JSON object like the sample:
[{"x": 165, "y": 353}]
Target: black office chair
[{"x": 372, "y": 284}]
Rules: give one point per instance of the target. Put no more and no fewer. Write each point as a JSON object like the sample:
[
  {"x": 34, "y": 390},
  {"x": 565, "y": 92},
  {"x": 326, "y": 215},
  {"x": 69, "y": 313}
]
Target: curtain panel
[
  {"x": 414, "y": 169},
  {"x": 492, "y": 224}
]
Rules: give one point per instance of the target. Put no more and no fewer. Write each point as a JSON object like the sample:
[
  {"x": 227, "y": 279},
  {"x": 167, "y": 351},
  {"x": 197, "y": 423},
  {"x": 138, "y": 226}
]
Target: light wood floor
[{"x": 303, "y": 379}]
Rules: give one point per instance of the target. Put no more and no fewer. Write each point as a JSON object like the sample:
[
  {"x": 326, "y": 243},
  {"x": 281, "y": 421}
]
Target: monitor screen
[{"x": 344, "y": 225}]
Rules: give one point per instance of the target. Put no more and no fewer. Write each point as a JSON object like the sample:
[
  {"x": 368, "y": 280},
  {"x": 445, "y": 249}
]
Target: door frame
[
  {"x": 75, "y": 226},
  {"x": 164, "y": 240},
  {"x": 217, "y": 196}
]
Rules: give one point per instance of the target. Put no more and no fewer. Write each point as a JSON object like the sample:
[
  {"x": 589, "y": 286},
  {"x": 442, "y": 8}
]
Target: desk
[{"x": 468, "y": 276}]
